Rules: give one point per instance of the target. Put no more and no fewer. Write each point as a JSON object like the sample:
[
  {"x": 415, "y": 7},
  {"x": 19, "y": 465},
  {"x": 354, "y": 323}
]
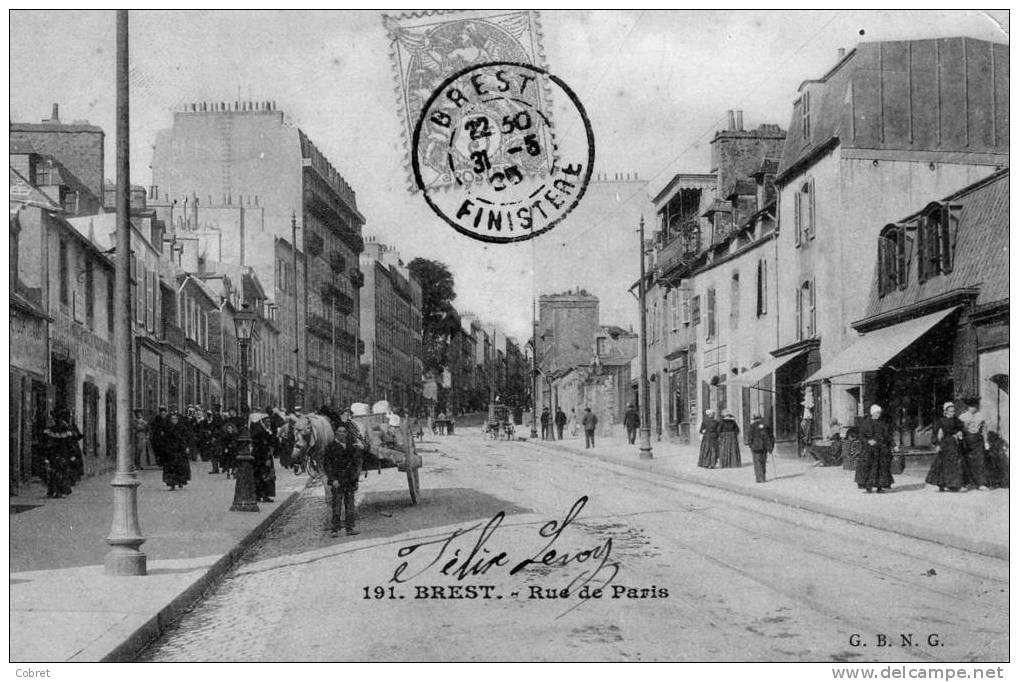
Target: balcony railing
[
  {"x": 173, "y": 335},
  {"x": 337, "y": 262},
  {"x": 680, "y": 250},
  {"x": 353, "y": 240},
  {"x": 313, "y": 244},
  {"x": 356, "y": 278}
]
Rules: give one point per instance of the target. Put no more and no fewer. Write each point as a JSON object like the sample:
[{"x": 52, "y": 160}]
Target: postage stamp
[
  {"x": 484, "y": 156},
  {"x": 428, "y": 47}
]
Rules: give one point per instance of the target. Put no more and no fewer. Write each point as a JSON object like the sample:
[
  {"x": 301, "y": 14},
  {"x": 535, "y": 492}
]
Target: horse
[{"x": 313, "y": 433}]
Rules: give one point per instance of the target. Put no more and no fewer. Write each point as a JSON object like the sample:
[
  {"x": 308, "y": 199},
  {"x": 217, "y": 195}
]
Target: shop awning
[
  {"x": 755, "y": 375},
  {"x": 875, "y": 349}
]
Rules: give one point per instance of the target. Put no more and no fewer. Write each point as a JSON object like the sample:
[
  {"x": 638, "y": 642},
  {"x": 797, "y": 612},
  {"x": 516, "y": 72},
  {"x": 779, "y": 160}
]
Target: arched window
[
  {"x": 936, "y": 241},
  {"x": 892, "y": 264},
  {"x": 806, "y": 307}
]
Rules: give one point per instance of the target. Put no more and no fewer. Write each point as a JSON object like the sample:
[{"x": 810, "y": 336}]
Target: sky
[{"x": 655, "y": 84}]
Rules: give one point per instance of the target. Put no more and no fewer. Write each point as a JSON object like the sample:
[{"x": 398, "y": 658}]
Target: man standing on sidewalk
[
  {"x": 546, "y": 420},
  {"x": 342, "y": 463},
  {"x": 761, "y": 444},
  {"x": 589, "y": 421},
  {"x": 560, "y": 422},
  {"x": 631, "y": 420}
]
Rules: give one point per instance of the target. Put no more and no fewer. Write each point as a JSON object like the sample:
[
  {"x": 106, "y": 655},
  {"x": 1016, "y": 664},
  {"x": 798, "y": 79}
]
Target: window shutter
[
  {"x": 902, "y": 275},
  {"x": 933, "y": 238},
  {"x": 711, "y": 313},
  {"x": 799, "y": 312},
  {"x": 813, "y": 307},
  {"x": 882, "y": 267},
  {"x": 946, "y": 240},
  {"x": 797, "y": 216},
  {"x": 811, "y": 225},
  {"x": 921, "y": 256},
  {"x": 696, "y": 310}
]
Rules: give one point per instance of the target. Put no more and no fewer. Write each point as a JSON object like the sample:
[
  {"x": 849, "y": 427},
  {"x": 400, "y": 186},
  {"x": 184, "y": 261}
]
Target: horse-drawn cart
[{"x": 390, "y": 447}]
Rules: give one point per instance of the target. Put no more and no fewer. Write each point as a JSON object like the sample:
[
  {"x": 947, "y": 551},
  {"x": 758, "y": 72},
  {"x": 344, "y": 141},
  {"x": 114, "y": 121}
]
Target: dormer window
[
  {"x": 892, "y": 264},
  {"x": 936, "y": 241}
]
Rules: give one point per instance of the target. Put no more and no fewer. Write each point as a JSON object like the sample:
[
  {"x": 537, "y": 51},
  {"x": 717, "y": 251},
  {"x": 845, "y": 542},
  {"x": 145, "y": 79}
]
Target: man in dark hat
[
  {"x": 589, "y": 421},
  {"x": 560, "y": 422},
  {"x": 631, "y": 420},
  {"x": 761, "y": 444},
  {"x": 157, "y": 434},
  {"x": 342, "y": 461}
]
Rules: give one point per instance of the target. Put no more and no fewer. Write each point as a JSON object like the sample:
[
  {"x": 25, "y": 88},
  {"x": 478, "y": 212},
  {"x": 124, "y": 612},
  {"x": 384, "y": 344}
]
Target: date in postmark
[{"x": 486, "y": 130}]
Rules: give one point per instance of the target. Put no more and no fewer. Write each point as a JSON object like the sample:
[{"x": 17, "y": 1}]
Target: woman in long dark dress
[
  {"x": 228, "y": 447},
  {"x": 176, "y": 460},
  {"x": 62, "y": 452},
  {"x": 262, "y": 445},
  {"x": 728, "y": 443},
  {"x": 709, "y": 441},
  {"x": 948, "y": 468},
  {"x": 874, "y": 465}
]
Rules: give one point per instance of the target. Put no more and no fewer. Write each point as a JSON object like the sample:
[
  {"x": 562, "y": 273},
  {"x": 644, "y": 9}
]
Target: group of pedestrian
[
  {"x": 554, "y": 426},
  {"x": 443, "y": 424},
  {"x": 172, "y": 441},
  {"x": 720, "y": 440},
  {"x": 968, "y": 455}
]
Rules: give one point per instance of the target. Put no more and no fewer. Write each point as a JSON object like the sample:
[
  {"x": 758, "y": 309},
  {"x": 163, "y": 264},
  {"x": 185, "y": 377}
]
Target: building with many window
[
  {"x": 249, "y": 154},
  {"x": 891, "y": 125},
  {"x": 390, "y": 325},
  {"x": 710, "y": 306}
]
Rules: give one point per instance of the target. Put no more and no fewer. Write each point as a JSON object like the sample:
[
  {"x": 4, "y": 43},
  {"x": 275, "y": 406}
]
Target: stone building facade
[{"x": 248, "y": 153}]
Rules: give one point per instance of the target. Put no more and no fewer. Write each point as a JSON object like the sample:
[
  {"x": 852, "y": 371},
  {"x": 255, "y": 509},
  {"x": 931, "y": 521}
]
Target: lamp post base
[
  {"x": 125, "y": 558},
  {"x": 645, "y": 444},
  {"x": 244, "y": 490}
]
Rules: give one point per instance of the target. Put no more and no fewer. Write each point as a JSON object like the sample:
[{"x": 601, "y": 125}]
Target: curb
[
  {"x": 991, "y": 549},
  {"x": 127, "y": 651}
]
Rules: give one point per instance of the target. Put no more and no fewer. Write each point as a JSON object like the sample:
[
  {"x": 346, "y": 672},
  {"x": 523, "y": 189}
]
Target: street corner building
[{"x": 762, "y": 267}]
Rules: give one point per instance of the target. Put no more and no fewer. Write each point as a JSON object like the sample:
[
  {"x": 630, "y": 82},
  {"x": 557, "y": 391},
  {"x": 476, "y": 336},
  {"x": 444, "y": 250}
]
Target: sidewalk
[
  {"x": 62, "y": 605},
  {"x": 975, "y": 521}
]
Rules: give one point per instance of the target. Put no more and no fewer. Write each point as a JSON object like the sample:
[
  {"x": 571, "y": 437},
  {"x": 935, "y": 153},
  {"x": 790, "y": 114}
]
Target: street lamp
[
  {"x": 244, "y": 489},
  {"x": 534, "y": 373}
]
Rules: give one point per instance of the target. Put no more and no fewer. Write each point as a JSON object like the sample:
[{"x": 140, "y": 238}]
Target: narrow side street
[{"x": 746, "y": 579}]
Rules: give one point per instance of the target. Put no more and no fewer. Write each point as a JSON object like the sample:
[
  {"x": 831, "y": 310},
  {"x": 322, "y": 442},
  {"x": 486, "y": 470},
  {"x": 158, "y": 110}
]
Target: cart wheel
[{"x": 414, "y": 484}]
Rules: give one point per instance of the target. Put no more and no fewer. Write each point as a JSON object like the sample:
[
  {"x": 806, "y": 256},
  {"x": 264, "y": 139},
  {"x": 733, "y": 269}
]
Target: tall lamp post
[
  {"x": 244, "y": 489},
  {"x": 125, "y": 539},
  {"x": 645, "y": 393},
  {"x": 534, "y": 373}
]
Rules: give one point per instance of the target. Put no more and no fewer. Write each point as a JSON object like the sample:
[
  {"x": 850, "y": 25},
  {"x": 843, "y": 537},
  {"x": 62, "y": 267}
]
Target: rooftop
[{"x": 944, "y": 95}]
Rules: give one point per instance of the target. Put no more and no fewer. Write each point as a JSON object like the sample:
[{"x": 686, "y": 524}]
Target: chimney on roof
[
  {"x": 732, "y": 120},
  {"x": 739, "y": 119},
  {"x": 55, "y": 116},
  {"x": 842, "y": 53}
]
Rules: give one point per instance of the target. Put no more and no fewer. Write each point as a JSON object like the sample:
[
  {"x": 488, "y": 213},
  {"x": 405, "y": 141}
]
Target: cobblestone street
[{"x": 785, "y": 584}]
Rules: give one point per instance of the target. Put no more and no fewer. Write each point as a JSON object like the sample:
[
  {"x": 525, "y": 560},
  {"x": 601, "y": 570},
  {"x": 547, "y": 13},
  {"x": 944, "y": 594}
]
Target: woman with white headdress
[
  {"x": 874, "y": 467},
  {"x": 728, "y": 443},
  {"x": 709, "y": 441},
  {"x": 948, "y": 469}
]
